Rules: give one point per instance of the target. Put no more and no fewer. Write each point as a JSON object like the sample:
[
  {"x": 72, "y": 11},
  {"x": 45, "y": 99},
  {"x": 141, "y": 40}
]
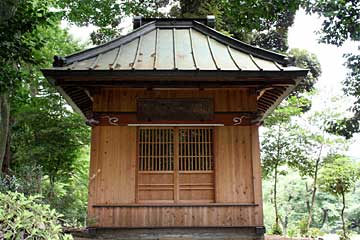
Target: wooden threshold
[{"x": 176, "y": 205}]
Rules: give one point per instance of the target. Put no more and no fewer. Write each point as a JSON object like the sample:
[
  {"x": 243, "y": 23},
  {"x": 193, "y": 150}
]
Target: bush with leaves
[
  {"x": 276, "y": 229},
  {"x": 24, "y": 217}
]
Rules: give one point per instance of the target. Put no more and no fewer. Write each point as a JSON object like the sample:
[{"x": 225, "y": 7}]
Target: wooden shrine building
[{"x": 175, "y": 108}]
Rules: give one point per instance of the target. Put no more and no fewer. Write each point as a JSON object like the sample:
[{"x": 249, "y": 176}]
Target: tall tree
[
  {"x": 54, "y": 144},
  {"x": 319, "y": 145},
  {"x": 281, "y": 145},
  {"x": 19, "y": 37},
  {"x": 338, "y": 179}
]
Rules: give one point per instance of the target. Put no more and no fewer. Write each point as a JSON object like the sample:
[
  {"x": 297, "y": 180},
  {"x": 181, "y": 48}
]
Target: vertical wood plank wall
[
  {"x": 233, "y": 165},
  {"x": 113, "y": 168},
  {"x": 124, "y": 100}
]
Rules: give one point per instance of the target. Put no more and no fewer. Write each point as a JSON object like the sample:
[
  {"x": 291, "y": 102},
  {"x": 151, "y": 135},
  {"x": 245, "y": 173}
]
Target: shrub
[
  {"x": 24, "y": 217},
  {"x": 315, "y": 232},
  {"x": 303, "y": 227},
  {"x": 292, "y": 232},
  {"x": 276, "y": 229}
]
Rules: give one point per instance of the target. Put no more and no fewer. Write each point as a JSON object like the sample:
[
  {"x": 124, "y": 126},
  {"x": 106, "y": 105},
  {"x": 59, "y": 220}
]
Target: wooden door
[{"x": 175, "y": 165}]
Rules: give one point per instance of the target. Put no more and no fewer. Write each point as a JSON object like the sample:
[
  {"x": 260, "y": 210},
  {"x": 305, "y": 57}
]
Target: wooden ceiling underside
[{"x": 81, "y": 98}]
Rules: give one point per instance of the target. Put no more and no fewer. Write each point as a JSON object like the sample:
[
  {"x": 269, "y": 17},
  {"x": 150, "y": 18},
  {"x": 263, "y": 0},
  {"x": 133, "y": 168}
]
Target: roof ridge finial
[
  {"x": 210, "y": 21},
  {"x": 137, "y": 21}
]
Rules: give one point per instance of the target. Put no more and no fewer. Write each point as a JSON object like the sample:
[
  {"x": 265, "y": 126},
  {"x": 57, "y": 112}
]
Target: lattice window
[
  {"x": 195, "y": 149},
  {"x": 156, "y": 149}
]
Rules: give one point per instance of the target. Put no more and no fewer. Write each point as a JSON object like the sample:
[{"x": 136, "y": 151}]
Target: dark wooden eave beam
[
  {"x": 188, "y": 75},
  {"x": 168, "y": 84}
]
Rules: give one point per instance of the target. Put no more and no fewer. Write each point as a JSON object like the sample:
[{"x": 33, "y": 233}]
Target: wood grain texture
[
  {"x": 112, "y": 168},
  {"x": 257, "y": 181},
  {"x": 124, "y": 100},
  {"x": 238, "y": 180},
  {"x": 94, "y": 156},
  {"x": 234, "y": 165},
  {"x": 226, "y": 216}
]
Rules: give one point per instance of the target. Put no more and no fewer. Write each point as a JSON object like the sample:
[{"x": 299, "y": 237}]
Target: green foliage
[
  {"x": 303, "y": 227},
  {"x": 281, "y": 143},
  {"x": 292, "y": 232},
  {"x": 71, "y": 194},
  {"x": 339, "y": 177},
  {"x": 55, "y": 143},
  {"x": 19, "y": 37},
  {"x": 47, "y": 138},
  {"x": 315, "y": 232},
  {"x": 270, "y": 20},
  {"x": 341, "y": 23},
  {"x": 341, "y": 19},
  {"x": 304, "y": 59},
  {"x": 275, "y": 229},
  {"x": 26, "y": 179},
  {"x": 348, "y": 126},
  {"x": 258, "y": 22},
  {"x": 107, "y": 15},
  {"x": 25, "y": 218}
]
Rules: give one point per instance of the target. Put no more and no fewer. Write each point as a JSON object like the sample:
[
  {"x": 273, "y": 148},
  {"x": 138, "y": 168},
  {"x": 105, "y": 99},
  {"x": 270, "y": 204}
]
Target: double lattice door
[{"x": 175, "y": 164}]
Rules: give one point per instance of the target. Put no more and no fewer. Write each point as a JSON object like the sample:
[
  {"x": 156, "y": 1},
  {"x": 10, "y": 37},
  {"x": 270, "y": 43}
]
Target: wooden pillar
[
  {"x": 256, "y": 167},
  {"x": 94, "y": 156}
]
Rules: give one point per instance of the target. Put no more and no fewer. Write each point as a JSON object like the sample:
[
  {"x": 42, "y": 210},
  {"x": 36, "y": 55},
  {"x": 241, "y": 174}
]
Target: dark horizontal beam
[
  {"x": 188, "y": 75},
  {"x": 159, "y": 84}
]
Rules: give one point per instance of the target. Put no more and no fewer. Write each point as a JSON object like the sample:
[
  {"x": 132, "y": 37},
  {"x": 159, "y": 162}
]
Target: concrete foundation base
[{"x": 238, "y": 233}]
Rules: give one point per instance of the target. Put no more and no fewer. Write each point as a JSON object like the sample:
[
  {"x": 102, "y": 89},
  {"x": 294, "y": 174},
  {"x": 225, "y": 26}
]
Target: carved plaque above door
[{"x": 175, "y": 109}]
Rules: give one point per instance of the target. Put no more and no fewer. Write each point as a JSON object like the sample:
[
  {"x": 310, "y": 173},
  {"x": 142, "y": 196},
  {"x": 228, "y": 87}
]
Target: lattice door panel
[
  {"x": 196, "y": 165},
  {"x": 195, "y": 149},
  {"x": 156, "y": 149},
  {"x": 156, "y": 165}
]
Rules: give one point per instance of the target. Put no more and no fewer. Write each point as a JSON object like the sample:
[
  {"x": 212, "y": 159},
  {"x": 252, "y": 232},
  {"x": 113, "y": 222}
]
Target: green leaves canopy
[{"x": 340, "y": 176}]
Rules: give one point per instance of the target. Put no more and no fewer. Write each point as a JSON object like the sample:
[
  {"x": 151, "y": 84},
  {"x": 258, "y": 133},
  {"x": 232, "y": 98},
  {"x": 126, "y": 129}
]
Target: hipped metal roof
[{"x": 174, "y": 53}]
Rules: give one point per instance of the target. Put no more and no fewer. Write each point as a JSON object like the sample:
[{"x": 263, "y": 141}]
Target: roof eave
[
  {"x": 67, "y": 98},
  {"x": 285, "y": 94}
]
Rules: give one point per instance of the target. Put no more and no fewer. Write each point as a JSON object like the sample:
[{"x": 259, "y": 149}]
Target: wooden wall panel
[
  {"x": 124, "y": 100},
  {"x": 196, "y": 187},
  {"x": 112, "y": 167},
  {"x": 155, "y": 186},
  {"x": 224, "y": 216},
  {"x": 233, "y": 158}
]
